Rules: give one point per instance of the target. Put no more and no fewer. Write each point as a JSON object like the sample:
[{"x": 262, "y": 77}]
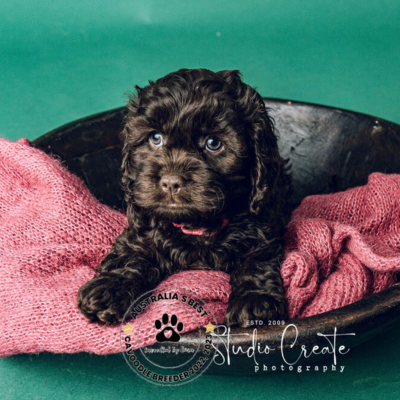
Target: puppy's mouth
[
  {"x": 173, "y": 206},
  {"x": 201, "y": 231},
  {"x": 176, "y": 211},
  {"x": 187, "y": 204},
  {"x": 173, "y": 201},
  {"x": 188, "y": 208}
]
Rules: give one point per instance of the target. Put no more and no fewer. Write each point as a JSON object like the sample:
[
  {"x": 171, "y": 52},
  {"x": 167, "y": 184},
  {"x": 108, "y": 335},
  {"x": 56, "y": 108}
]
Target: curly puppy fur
[{"x": 199, "y": 149}]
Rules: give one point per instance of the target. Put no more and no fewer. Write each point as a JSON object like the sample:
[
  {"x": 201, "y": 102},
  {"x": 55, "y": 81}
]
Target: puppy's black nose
[{"x": 171, "y": 183}]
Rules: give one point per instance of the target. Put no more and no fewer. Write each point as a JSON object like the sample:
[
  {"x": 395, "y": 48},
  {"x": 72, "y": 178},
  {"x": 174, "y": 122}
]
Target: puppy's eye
[
  {"x": 156, "y": 139},
  {"x": 213, "y": 144}
]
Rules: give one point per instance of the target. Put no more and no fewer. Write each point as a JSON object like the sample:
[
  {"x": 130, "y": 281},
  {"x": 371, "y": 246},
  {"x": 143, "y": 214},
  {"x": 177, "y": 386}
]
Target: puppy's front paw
[
  {"x": 106, "y": 298},
  {"x": 251, "y": 306}
]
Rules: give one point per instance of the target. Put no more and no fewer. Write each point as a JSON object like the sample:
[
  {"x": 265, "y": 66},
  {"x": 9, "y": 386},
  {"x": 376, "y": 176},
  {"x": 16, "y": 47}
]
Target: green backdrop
[{"x": 62, "y": 60}]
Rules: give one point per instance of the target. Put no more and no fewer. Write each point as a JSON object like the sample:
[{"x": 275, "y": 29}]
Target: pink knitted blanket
[{"x": 53, "y": 233}]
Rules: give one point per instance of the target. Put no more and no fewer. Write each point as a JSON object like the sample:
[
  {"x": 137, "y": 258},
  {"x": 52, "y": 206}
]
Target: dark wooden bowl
[{"x": 330, "y": 150}]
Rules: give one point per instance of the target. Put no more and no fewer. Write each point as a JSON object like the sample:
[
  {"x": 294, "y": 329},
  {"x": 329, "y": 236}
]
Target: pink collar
[{"x": 200, "y": 232}]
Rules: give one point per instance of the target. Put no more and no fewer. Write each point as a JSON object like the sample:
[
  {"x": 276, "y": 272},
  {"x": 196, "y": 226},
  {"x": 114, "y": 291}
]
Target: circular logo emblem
[{"x": 152, "y": 339}]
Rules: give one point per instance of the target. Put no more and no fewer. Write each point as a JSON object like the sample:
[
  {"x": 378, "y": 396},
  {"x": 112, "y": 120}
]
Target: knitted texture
[
  {"x": 342, "y": 247},
  {"x": 53, "y": 233}
]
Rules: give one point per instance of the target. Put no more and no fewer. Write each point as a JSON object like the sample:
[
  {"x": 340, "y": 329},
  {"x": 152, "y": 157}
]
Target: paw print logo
[{"x": 170, "y": 331}]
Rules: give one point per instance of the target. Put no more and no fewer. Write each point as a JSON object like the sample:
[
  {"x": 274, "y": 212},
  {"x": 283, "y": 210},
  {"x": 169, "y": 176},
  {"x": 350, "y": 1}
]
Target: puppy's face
[{"x": 188, "y": 156}]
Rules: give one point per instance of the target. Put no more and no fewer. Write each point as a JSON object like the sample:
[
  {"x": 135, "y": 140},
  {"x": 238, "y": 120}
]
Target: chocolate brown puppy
[{"x": 205, "y": 188}]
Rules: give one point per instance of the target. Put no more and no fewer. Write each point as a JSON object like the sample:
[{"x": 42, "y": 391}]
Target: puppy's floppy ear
[
  {"x": 127, "y": 169},
  {"x": 266, "y": 163}
]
